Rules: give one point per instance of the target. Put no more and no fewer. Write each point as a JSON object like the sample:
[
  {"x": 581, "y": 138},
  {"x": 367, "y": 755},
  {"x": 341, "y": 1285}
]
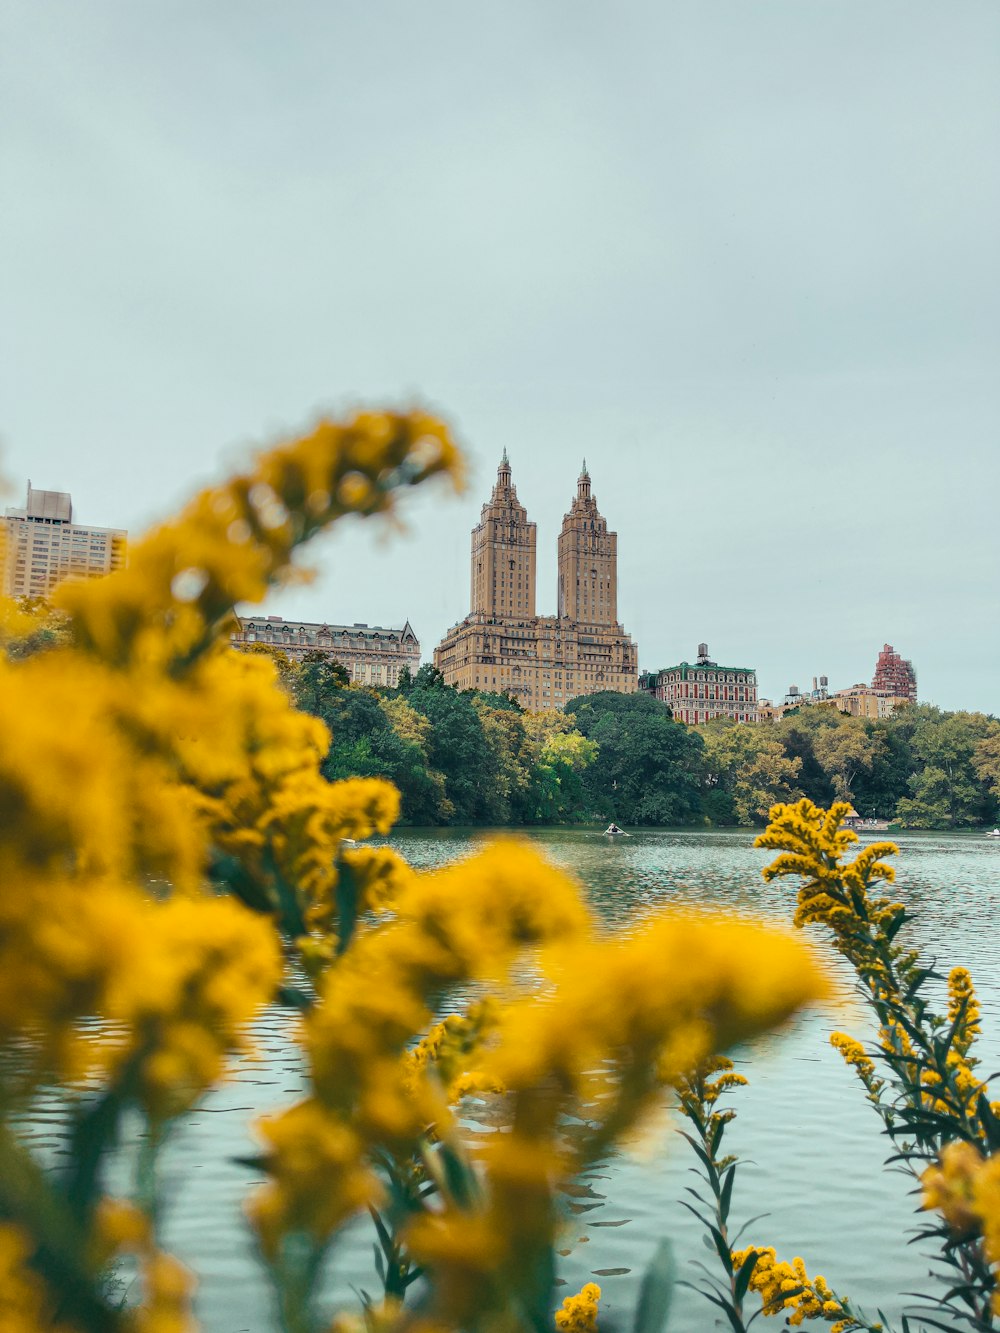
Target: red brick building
[
  {"x": 894, "y": 676},
  {"x": 705, "y": 690}
]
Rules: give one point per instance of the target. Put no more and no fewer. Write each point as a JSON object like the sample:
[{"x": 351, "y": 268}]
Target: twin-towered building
[{"x": 503, "y": 645}]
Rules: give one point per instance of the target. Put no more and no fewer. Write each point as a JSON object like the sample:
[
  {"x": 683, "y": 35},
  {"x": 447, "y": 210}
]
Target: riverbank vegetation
[{"x": 478, "y": 758}]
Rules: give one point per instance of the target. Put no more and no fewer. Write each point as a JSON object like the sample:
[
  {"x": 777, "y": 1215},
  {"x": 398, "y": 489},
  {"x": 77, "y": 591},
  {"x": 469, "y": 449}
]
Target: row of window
[{"x": 740, "y": 677}]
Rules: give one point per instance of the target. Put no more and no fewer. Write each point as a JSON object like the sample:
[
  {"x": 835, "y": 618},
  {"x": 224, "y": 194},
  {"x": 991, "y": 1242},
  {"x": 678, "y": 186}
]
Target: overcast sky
[{"x": 742, "y": 254}]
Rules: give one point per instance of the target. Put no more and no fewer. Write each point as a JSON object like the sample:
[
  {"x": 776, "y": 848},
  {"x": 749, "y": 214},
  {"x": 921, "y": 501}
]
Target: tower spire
[{"x": 583, "y": 483}]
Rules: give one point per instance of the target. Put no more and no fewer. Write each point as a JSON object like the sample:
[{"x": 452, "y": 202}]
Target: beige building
[
  {"x": 42, "y": 546},
  {"x": 372, "y": 654},
  {"x": 502, "y": 644},
  {"x": 863, "y": 701},
  {"x": 699, "y": 692}
]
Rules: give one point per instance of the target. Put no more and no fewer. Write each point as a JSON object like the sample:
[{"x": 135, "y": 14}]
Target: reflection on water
[{"x": 815, "y": 1153}]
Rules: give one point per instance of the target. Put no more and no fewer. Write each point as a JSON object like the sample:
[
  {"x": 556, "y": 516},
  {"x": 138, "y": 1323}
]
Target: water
[{"x": 812, "y": 1142}]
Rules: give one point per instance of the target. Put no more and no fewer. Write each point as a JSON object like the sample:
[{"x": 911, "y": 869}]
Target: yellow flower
[
  {"x": 854, "y": 1054},
  {"x": 813, "y": 843},
  {"x": 167, "y": 1288},
  {"x": 579, "y": 1312},
  {"x": 963, "y": 1009},
  {"x": 24, "y": 1302},
  {"x": 949, "y": 1186},
  {"x": 317, "y": 1176},
  {"x": 787, "y": 1289}
]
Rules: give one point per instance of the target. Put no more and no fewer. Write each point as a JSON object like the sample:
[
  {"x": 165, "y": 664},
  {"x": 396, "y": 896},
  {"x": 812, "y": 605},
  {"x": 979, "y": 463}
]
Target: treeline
[
  {"x": 457, "y": 758},
  {"x": 920, "y": 768},
  {"x": 478, "y": 758}
]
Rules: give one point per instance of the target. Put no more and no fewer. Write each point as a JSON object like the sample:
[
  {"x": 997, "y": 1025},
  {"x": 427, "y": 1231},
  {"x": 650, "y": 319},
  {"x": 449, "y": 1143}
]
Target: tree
[
  {"x": 428, "y": 677},
  {"x": 316, "y": 677},
  {"x": 846, "y": 751},
  {"x": 421, "y": 786},
  {"x": 986, "y": 761},
  {"x": 508, "y": 777},
  {"x": 648, "y": 769},
  {"x": 797, "y": 739},
  {"x": 947, "y": 791},
  {"x": 458, "y": 747},
  {"x": 557, "y": 754},
  {"x": 746, "y": 772}
]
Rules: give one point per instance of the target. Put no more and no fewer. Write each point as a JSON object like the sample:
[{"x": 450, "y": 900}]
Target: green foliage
[
  {"x": 315, "y": 676},
  {"x": 648, "y": 768},
  {"x": 746, "y": 772},
  {"x": 949, "y": 791},
  {"x": 477, "y": 757},
  {"x": 923, "y": 767}
]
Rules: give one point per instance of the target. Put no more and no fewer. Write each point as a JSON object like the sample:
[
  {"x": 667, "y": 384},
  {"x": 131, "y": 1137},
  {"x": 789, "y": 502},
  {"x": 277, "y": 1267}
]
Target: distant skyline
[{"x": 741, "y": 256}]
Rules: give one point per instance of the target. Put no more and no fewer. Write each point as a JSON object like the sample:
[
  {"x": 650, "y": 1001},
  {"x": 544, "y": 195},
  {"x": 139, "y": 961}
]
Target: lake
[{"x": 812, "y": 1141}]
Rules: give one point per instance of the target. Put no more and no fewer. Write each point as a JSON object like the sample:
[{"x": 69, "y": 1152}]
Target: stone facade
[
  {"x": 543, "y": 661},
  {"x": 42, "y": 546},
  {"x": 705, "y": 690},
  {"x": 372, "y": 654}
]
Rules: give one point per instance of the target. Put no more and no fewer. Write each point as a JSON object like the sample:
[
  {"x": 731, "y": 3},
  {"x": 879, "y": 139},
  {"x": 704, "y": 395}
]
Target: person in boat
[{"x": 613, "y": 828}]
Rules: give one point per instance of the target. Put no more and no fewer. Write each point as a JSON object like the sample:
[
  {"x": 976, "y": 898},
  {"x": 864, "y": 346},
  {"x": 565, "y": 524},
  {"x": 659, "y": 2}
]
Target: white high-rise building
[{"x": 42, "y": 546}]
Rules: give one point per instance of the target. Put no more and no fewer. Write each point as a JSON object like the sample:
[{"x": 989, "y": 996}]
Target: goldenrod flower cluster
[
  {"x": 786, "y": 1288},
  {"x": 701, "y": 1089},
  {"x": 964, "y": 1187},
  {"x": 613, "y": 1021},
  {"x": 854, "y": 1055},
  {"x": 621, "y": 1019},
  {"x": 579, "y": 1313},
  {"x": 813, "y": 843},
  {"x": 963, "y": 1009},
  {"x": 450, "y": 1049}
]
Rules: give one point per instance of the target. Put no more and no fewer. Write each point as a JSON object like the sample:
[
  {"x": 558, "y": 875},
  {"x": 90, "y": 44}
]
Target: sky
[{"x": 740, "y": 254}]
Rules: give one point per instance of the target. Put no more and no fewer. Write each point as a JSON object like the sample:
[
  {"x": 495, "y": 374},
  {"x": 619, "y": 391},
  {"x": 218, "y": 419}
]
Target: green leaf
[
  {"x": 735, "y": 1321},
  {"x": 656, "y": 1292},
  {"x": 722, "y": 1248},
  {"x": 347, "y": 904},
  {"x": 744, "y": 1275},
  {"x": 989, "y": 1122},
  {"x": 94, "y": 1133},
  {"x": 255, "y": 1163},
  {"x": 538, "y": 1291},
  {"x": 294, "y": 998},
  {"x": 710, "y": 1171},
  {"x": 728, "y": 1180},
  {"x": 892, "y": 929}
]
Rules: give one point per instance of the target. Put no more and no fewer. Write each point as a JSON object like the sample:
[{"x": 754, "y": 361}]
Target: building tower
[
  {"x": 503, "y": 555},
  {"x": 40, "y": 545},
  {"x": 895, "y": 676},
  {"x": 588, "y": 561}
]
